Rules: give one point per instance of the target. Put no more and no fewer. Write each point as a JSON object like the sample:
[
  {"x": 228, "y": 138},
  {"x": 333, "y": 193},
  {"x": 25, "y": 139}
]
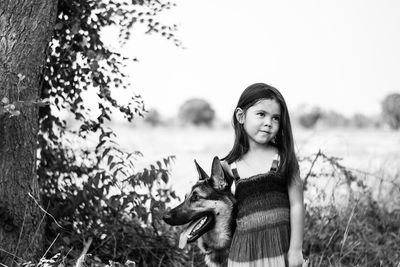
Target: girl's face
[{"x": 261, "y": 121}]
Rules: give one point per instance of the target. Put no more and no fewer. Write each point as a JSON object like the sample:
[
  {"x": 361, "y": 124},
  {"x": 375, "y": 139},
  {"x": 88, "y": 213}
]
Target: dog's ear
[
  {"x": 217, "y": 175},
  {"x": 202, "y": 174}
]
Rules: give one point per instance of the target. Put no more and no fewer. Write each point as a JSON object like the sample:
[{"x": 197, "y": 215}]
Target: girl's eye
[
  {"x": 260, "y": 114},
  {"x": 275, "y": 118}
]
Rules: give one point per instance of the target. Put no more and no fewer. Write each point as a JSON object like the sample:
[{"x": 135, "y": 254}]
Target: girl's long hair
[{"x": 284, "y": 139}]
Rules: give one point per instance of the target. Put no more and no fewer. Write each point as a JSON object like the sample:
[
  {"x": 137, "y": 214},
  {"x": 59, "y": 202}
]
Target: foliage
[
  {"x": 119, "y": 209},
  {"x": 358, "y": 232},
  {"x": 196, "y": 111},
  {"x": 88, "y": 184},
  {"x": 391, "y": 110},
  {"x": 368, "y": 235}
]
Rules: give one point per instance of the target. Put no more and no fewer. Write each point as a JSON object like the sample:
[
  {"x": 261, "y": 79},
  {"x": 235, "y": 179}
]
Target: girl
[{"x": 267, "y": 187}]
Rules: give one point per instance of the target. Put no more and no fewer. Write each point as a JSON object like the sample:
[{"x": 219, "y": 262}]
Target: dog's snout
[{"x": 172, "y": 218}]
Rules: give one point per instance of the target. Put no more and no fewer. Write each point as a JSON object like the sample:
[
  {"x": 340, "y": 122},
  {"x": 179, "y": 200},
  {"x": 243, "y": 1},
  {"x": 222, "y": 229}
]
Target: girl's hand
[{"x": 295, "y": 258}]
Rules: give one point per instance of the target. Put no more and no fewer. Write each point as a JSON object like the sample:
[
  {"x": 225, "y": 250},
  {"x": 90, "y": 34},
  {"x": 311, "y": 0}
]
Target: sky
[{"x": 341, "y": 55}]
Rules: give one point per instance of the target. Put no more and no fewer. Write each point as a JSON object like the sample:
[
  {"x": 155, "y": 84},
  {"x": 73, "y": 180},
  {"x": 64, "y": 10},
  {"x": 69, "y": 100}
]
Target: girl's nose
[{"x": 268, "y": 121}]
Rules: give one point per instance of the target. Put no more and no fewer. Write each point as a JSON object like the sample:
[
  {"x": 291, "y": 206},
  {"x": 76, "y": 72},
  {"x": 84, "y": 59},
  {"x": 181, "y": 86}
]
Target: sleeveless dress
[{"x": 262, "y": 234}]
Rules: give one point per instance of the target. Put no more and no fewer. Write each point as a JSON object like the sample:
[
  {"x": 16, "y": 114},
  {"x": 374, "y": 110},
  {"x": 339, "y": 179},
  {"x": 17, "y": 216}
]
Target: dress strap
[
  {"x": 234, "y": 171},
  {"x": 235, "y": 177},
  {"x": 275, "y": 163}
]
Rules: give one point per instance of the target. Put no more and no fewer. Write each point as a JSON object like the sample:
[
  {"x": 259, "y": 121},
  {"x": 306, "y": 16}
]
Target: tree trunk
[{"x": 26, "y": 27}]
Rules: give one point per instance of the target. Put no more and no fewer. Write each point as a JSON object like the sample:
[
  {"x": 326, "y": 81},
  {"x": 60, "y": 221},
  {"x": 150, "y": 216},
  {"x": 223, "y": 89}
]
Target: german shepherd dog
[{"x": 209, "y": 210}]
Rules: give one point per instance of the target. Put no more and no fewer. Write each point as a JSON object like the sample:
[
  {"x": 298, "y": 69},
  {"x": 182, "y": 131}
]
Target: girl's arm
[{"x": 295, "y": 190}]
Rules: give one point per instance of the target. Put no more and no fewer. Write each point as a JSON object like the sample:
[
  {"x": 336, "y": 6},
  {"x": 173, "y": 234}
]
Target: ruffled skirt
[{"x": 257, "y": 244}]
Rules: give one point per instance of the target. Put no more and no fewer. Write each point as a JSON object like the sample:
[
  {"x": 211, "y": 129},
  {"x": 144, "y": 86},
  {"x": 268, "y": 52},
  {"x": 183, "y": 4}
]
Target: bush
[
  {"x": 196, "y": 111},
  {"x": 361, "y": 233},
  {"x": 367, "y": 235},
  {"x": 117, "y": 208}
]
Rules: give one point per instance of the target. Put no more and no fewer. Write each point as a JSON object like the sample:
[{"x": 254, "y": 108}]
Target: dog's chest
[{"x": 217, "y": 239}]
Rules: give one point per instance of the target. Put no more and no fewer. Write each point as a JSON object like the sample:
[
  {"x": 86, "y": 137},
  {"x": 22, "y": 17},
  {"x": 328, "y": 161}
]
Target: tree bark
[{"x": 26, "y": 27}]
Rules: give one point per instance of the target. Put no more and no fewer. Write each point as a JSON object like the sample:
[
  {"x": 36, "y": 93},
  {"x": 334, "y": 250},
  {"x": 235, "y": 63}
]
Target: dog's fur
[{"x": 210, "y": 197}]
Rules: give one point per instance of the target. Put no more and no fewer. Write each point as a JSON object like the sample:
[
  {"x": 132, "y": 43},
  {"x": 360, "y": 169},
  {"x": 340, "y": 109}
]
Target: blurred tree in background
[
  {"x": 309, "y": 118},
  {"x": 153, "y": 117},
  {"x": 333, "y": 119},
  {"x": 196, "y": 111},
  {"x": 391, "y": 110},
  {"x": 361, "y": 121}
]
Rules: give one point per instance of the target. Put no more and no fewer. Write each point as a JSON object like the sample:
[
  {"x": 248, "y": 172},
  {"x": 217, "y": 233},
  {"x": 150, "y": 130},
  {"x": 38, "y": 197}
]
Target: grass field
[{"x": 375, "y": 151}]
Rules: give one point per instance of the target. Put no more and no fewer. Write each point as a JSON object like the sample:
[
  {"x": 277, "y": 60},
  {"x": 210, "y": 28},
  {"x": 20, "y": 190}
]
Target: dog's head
[{"x": 208, "y": 206}]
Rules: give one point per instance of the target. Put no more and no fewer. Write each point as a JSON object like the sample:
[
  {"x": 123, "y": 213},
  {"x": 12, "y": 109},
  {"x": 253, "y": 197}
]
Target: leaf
[
  {"x": 145, "y": 177},
  {"x": 166, "y": 162},
  {"x": 110, "y": 158},
  {"x": 173, "y": 195},
  {"x": 164, "y": 177},
  {"x": 112, "y": 165},
  {"x": 75, "y": 28},
  {"x": 106, "y": 152},
  {"x": 96, "y": 179},
  {"x": 91, "y": 54},
  {"x": 59, "y": 26},
  {"x": 159, "y": 164}
]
